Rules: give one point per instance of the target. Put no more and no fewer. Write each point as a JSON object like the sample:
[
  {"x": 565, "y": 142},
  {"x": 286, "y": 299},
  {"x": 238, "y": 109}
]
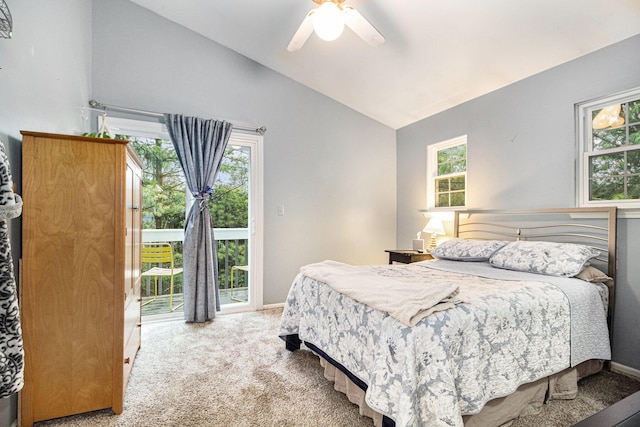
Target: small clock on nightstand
[{"x": 407, "y": 256}]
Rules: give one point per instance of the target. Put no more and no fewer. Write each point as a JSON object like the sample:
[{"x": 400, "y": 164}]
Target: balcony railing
[{"x": 232, "y": 248}]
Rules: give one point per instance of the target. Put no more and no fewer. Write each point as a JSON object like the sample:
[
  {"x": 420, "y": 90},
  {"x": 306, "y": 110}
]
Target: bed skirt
[{"x": 526, "y": 400}]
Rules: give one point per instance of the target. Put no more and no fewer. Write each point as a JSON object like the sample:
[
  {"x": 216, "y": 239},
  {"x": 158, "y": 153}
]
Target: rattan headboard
[{"x": 594, "y": 227}]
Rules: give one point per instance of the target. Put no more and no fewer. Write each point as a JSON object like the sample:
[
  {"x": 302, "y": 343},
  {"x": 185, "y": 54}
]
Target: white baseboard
[
  {"x": 625, "y": 370},
  {"x": 270, "y": 306}
]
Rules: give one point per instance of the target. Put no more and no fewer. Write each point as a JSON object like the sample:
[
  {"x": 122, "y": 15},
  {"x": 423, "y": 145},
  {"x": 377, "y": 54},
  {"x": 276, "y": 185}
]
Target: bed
[{"x": 495, "y": 326}]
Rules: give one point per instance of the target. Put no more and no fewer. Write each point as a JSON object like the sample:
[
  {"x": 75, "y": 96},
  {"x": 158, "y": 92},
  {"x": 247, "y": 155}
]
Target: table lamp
[{"x": 435, "y": 228}]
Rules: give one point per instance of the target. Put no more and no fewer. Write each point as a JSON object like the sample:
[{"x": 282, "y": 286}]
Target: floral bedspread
[{"x": 451, "y": 363}]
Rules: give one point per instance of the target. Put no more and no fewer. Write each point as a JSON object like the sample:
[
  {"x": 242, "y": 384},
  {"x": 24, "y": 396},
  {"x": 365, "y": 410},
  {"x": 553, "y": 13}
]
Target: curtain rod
[{"x": 95, "y": 104}]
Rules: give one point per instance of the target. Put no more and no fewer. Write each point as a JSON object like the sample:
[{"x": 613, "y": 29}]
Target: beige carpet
[{"x": 235, "y": 371}]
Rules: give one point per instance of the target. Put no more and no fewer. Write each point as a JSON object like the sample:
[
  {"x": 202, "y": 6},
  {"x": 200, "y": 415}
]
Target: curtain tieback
[{"x": 203, "y": 197}]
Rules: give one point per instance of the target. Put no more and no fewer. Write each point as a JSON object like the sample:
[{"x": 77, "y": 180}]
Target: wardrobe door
[{"x": 133, "y": 239}]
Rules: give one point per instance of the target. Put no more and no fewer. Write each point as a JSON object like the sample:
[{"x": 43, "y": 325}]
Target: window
[
  {"x": 447, "y": 173},
  {"x": 609, "y": 151}
]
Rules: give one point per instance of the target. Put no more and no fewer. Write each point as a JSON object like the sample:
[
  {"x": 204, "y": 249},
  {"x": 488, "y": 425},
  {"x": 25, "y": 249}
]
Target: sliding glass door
[{"x": 236, "y": 210}]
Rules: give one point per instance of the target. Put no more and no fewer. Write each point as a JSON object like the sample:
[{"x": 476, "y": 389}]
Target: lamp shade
[{"x": 434, "y": 226}]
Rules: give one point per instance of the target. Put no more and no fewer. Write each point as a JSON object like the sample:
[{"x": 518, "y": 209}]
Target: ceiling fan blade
[
  {"x": 361, "y": 26},
  {"x": 302, "y": 34}
]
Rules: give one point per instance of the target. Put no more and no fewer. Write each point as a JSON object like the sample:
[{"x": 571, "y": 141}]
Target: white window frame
[
  {"x": 432, "y": 172},
  {"x": 585, "y": 150}
]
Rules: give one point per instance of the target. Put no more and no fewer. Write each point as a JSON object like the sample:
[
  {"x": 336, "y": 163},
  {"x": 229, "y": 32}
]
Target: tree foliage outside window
[
  {"x": 229, "y": 202},
  {"x": 611, "y": 145},
  {"x": 163, "y": 184},
  {"x": 164, "y": 187}
]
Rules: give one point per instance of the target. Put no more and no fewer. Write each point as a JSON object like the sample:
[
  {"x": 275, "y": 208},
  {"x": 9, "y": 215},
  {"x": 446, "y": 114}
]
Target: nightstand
[{"x": 407, "y": 256}]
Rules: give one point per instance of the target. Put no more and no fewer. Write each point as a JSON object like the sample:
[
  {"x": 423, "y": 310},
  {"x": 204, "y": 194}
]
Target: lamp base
[{"x": 433, "y": 242}]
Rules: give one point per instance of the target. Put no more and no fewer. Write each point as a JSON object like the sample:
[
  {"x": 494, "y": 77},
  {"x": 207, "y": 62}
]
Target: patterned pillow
[
  {"x": 552, "y": 259},
  {"x": 467, "y": 250}
]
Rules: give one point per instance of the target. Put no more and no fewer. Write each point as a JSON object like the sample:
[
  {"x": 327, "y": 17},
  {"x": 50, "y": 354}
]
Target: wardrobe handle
[{"x": 127, "y": 360}]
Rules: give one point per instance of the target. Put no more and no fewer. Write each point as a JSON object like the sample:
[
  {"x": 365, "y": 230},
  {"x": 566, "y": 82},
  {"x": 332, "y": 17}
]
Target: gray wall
[
  {"x": 46, "y": 67},
  {"x": 332, "y": 168},
  {"x": 522, "y": 153},
  {"x": 44, "y": 81}
]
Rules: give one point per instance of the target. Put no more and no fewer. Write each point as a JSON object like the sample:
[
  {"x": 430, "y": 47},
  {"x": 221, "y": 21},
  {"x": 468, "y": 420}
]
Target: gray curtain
[{"x": 200, "y": 146}]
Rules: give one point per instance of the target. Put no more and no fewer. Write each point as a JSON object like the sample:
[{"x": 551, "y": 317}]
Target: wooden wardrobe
[{"x": 80, "y": 273}]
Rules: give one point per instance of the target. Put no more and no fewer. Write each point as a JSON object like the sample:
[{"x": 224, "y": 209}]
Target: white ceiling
[{"x": 437, "y": 54}]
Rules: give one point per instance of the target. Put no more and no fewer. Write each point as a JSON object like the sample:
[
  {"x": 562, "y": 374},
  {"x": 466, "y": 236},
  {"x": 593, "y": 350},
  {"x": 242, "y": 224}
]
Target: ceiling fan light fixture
[
  {"x": 328, "y": 21},
  {"x": 608, "y": 117}
]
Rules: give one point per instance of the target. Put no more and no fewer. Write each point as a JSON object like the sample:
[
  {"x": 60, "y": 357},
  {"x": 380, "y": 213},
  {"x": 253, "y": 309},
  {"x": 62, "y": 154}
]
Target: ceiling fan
[{"x": 328, "y": 20}]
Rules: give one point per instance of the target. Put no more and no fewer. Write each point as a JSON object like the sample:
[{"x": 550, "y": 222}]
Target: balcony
[{"x": 232, "y": 247}]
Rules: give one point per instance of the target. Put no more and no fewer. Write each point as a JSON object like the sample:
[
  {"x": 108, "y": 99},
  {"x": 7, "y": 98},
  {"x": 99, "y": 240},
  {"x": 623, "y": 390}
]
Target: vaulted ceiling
[{"x": 437, "y": 53}]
